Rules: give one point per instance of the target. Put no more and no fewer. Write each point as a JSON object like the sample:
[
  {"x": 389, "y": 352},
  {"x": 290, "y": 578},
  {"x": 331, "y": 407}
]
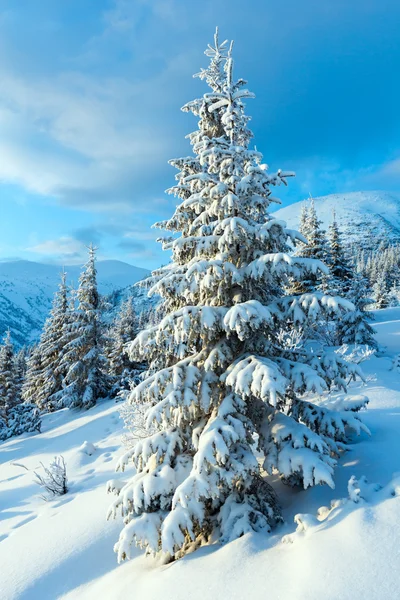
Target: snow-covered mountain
[
  {"x": 366, "y": 218},
  {"x": 27, "y": 288}
]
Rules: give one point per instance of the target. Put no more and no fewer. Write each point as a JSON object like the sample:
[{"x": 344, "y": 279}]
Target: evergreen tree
[
  {"x": 381, "y": 293},
  {"x": 33, "y": 380},
  {"x": 314, "y": 248},
  {"x": 20, "y": 367},
  {"x": 219, "y": 374},
  {"x": 296, "y": 286},
  {"x": 16, "y": 417},
  {"x": 122, "y": 369},
  {"x": 340, "y": 272},
  {"x": 354, "y": 326},
  {"x": 8, "y": 385},
  {"x": 82, "y": 358},
  {"x": 51, "y": 348},
  {"x": 304, "y": 220}
]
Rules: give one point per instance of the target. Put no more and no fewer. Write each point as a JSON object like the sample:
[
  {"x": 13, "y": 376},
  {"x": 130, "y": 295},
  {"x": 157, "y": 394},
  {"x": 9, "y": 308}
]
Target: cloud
[
  {"x": 63, "y": 249},
  {"x": 10, "y": 259},
  {"x": 132, "y": 246}
]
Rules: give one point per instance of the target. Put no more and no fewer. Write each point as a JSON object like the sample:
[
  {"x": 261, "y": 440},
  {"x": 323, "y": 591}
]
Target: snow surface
[
  {"x": 363, "y": 217},
  {"x": 64, "y": 548}
]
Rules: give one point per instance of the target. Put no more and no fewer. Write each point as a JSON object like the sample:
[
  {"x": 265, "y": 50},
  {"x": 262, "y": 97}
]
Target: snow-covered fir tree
[
  {"x": 223, "y": 385},
  {"x": 354, "y": 326},
  {"x": 16, "y": 417},
  {"x": 314, "y": 246},
  {"x": 82, "y": 359},
  {"x": 340, "y": 271},
  {"x": 20, "y": 367},
  {"x": 33, "y": 380},
  {"x": 50, "y": 349},
  {"x": 9, "y": 396},
  {"x": 381, "y": 293},
  {"x": 122, "y": 369},
  {"x": 303, "y": 221}
]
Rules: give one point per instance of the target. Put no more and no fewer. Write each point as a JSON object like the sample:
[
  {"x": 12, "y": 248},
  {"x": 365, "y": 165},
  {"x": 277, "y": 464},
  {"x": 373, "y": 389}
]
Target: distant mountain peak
[
  {"x": 365, "y": 218},
  {"x": 27, "y": 288}
]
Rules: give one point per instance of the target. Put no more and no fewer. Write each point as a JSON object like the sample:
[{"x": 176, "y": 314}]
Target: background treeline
[
  {"x": 80, "y": 355},
  {"x": 78, "y": 359}
]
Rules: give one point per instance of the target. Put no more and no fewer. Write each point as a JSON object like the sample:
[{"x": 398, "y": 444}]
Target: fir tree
[
  {"x": 8, "y": 385},
  {"x": 381, "y": 294},
  {"x": 20, "y": 367},
  {"x": 354, "y": 326},
  {"x": 33, "y": 380},
  {"x": 82, "y": 358},
  {"x": 296, "y": 286},
  {"x": 122, "y": 370},
  {"x": 50, "y": 349},
  {"x": 314, "y": 248},
  {"x": 340, "y": 272},
  {"x": 16, "y": 417},
  {"x": 219, "y": 374}
]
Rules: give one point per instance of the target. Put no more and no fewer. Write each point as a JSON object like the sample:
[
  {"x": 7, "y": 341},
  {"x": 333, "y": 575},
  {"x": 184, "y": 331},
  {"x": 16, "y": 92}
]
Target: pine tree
[
  {"x": 304, "y": 220},
  {"x": 122, "y": 370},
  {"x": 16, "y": 417},
  {"x": 340, "y": 272},
  {"x": 50, "y": 349},
  {"x": 314, "y": 248},
  {"x": 296, "y": 286},
  {"x": 354, "y": 326},
  {"x": 20, "y": 367},
  {"x": 82, "y": 358},
  {"x": 33, "y": 380},
  {"x": 381, "y": 294},
  {"x": 8, "y": 385},
  {"x": 219, "y": 374}
]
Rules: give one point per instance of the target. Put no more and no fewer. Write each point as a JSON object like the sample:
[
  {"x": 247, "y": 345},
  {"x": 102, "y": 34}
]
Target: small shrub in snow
[
  {"x": 54, "y": 478},
  {"x": 357, "y": 354},
  {"x": 136, "y": 426}
]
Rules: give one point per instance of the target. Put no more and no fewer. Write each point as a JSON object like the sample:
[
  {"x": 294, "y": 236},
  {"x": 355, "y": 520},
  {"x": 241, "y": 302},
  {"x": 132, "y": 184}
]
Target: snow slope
[
  {"x": 27, "y": 288},
  {"x": 64, "y": 548},
  {"x": 364, "y": 217}
]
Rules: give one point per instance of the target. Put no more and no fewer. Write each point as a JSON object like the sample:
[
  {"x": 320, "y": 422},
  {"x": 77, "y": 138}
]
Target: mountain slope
[
  {"x": 27, "y": 288},
  {"x": 366, "y": 218}
]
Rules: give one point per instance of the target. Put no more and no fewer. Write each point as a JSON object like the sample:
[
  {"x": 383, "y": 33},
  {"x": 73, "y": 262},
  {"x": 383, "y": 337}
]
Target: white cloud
[
  {"x": 88, "y": 139},
  {"x": 65, "y": 248}
]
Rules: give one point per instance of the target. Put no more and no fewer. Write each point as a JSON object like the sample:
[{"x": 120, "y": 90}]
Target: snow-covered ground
[{"x": 64, "y": 548}]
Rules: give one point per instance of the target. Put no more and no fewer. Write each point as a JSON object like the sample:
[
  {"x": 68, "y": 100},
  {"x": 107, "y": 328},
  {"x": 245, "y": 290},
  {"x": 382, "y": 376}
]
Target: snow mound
[{"x": 88, "y": 448}]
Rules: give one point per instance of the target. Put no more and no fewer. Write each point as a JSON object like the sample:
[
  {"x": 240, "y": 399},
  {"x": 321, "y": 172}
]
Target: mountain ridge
[
  {"x": 27, "y": 289},
  {"x": 365, "y": 218}
]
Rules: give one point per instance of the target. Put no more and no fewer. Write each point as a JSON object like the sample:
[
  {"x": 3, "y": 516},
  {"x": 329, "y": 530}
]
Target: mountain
[
  {"x": 365, "y": 218},
  {"x": 27, "y": 288}
]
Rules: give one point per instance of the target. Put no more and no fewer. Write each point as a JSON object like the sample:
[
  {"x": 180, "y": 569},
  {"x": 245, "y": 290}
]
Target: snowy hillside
[
  {"x": 64, "y": 548},
  {"x": 27, "y": 288},
  {"x": 364, "y": 217}
]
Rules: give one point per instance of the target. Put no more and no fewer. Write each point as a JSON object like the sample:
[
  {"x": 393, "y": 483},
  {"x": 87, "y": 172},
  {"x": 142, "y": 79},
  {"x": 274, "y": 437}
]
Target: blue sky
[{"x": 89, "y": 109}]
